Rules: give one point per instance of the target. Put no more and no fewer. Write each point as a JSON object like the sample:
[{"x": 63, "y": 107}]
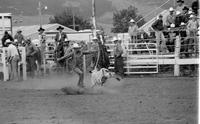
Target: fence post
[
  {"x": 84, "y": 64},
  {"x": 177, "y": 53},
  {"x": 5, "y": 69},
  {"x": 24, "y": 63}
]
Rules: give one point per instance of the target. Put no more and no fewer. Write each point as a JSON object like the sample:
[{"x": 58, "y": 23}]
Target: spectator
[
  {"x": 60, "y": 36},
  {"x": 195, "y": 7},
  {"x": 185, "y": 15},
  {"x": 180, "y": 6},
  {"x": 178, "y": 19},
  {"x": 132, "y": 30},
  {"x": 170, "y": 18},
  {"x": 19, "y": 37},
  {"x": 5, "y": 37},
  {"x": 59, "y": 52},
  {"x": 40, "y": 55},
  {"x": 159, "y": 27},
  {"x": 192, "y": 28},
  {"x": 152, "y": 34},
  {"x": 184, "y": 39},
  {"x": 67, "y": 56},
  {"x": 31, "y": 51},
  {"x": 78, "y": 64},
  {"x": 118, "y": 64},
  {"x": 13, "y": 59},
  {"x": 171, "y": 40}
]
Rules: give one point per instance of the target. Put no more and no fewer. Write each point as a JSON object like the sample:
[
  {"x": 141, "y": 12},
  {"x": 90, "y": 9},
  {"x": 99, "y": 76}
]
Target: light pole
[
  {"x": 40, "y": 8},
  {"x": 93, "y": 18}
]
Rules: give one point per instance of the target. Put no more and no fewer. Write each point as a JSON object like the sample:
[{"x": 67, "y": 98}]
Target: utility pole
[
  {"x": 40, "y": 13},
  {"x": 40, "y": 8},
  {"x": 93, "y": 17}
]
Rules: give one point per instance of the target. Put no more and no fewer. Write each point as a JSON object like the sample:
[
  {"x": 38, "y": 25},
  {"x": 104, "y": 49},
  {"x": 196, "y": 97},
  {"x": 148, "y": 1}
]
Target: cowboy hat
[
  {"x": 41, "y": 29},
  {"x": 185, "y": 8},
  {"x": 59, "y": 27},
  {"x": 75, "y": 45},
  {"x": 8, "y": 41},
  {"x": 115, "y": 39},
  {"x": 94, "y": 38},
  {"x": 15, "y": 40},
  {"x": 172, "y": 25},
  {"x": 182, "y": 1},
  {"x": 171, "y": 9},
  {"x": 192, "y": 16},
  {"x": 182, "y": 24},
  {"x": 178, "y": 12},
  {"x": 132, "y": 21},
  {"x": 190, "y": 12}
]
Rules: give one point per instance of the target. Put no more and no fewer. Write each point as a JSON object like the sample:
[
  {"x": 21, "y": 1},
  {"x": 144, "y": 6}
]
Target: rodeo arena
[{"x": 51, "y": 74}]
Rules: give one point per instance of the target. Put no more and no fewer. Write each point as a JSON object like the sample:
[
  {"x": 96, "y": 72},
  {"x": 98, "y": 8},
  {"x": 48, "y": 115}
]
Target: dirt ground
[{"x": 143, "y": 100}]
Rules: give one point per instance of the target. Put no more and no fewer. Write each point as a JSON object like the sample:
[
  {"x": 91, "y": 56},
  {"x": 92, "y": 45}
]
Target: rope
[{"x": 153, "y": 11}]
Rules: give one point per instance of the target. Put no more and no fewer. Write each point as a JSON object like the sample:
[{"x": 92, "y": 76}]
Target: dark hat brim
[
  {"x": 41, "y": 29},
  {"x": 180, "y": 1},
  {"x": 59, "y": 28},
  {"x": 185, "y": 8}
]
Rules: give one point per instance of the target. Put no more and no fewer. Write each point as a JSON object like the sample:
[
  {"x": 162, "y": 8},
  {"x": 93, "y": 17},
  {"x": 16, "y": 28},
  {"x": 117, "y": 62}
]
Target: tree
[
  {"x": 66, "y": 18},
  {"x": 121, "y": 19}
]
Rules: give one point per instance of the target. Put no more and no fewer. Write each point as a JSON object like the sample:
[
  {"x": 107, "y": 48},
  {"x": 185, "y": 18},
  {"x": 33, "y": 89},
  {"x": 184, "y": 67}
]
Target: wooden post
[
  {"x": 5, "y": 69},
  {"x": 84, "y": 64},
  {"x": 177, "y": 53},
  {"x": 24, "y": 63}
]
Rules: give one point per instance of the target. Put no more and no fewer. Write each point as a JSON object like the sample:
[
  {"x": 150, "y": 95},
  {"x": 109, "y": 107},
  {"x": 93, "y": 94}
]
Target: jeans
[{"x": 160, "y": 37}]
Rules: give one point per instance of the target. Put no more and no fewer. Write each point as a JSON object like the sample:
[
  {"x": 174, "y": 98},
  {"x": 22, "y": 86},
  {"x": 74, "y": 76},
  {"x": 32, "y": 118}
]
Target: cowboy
[
  {"x": 67, "y": 55},
  {"x": 78, "y": 64},
  {"x": 31, "y": 51},
  {"x": 180, "y": 6},
  {"x": 159, "y": 27},
  {"x": 170, "y": 18},
  {"x": 192, "y": 28},
  {"x": 118, "y": 64},
  {"x": 178, "y": 19},
  {"x": 60, "y": 36},
  {"x": 195, "y": 7},
  {"x": 40, "y": 55},
  {"x": 5, "y": 37},
  {"x": 13, "y": 59},
  {"x": 19, "y": 37},
  {"x": 132, "y": 30},
  {"x": 185, "y": 15}
]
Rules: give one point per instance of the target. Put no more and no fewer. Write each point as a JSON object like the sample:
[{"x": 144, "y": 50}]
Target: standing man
[
  {"x": 13, "y": 59},
  {"x": 170, "y": 18},
  {"x": 60, "y": 36},
  {"x": 180, "y": 6},
  {"x": 19, "y": 37},
  {"x": 5, "y": 37},
  {"x": 40, "y": 57},
  {"x": 195, "y": 7},
  {"x": 132, "y": 30},
  {"x": 159, "y": 27},
  {"x": 31, "y": 50},
  {"x": 118, "y": 64}
]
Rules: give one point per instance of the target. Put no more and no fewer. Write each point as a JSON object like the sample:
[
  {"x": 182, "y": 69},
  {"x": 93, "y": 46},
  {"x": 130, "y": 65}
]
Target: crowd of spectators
[{"x": 181, "y": 21}]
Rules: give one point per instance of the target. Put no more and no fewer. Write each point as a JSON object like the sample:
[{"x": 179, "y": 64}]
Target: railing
[{"x": 174, "y": 57}]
